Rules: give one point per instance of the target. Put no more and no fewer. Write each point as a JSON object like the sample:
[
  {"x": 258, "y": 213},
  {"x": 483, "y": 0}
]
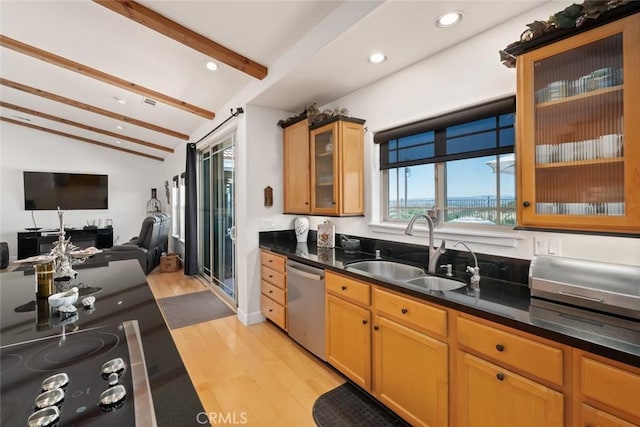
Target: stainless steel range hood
[{"x": 612, "y": 288}]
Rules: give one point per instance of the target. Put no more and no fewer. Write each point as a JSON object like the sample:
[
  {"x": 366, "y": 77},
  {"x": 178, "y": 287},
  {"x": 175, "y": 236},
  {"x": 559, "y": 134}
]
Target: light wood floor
[{"x": 256, "y": 372}]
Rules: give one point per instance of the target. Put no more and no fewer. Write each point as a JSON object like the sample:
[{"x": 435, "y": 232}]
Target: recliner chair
[{"x": 143, "y": 247}]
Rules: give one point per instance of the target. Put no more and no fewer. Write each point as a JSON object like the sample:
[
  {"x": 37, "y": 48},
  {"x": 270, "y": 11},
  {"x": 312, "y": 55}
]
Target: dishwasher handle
[{"x": 304, "y": 270}]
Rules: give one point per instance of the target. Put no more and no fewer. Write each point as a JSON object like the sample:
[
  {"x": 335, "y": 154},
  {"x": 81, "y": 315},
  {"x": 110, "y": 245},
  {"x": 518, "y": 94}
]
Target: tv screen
[{"x": 69, "y": 191}]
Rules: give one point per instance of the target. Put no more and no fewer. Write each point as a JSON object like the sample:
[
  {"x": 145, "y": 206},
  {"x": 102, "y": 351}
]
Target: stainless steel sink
[
  {"x": 435, "y": 283},
  {"x": 390, "y": 270}
]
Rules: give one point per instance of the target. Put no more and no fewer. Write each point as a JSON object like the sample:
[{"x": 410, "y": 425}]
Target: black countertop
[
  {"x": 500, "y": 301},
  {"x": 121, "y": 293}
]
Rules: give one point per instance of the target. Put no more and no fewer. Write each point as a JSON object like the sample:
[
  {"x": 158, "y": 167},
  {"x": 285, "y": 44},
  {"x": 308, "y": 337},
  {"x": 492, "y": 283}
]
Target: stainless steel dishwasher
[{"x": 305, "y": 306}]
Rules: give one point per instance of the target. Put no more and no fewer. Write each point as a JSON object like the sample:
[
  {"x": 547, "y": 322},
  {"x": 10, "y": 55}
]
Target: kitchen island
[{"x": 81, "y": 343}]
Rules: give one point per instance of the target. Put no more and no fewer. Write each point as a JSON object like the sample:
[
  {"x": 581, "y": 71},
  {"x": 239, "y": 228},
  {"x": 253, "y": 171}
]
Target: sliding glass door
[{"x": 217, "y": 216}]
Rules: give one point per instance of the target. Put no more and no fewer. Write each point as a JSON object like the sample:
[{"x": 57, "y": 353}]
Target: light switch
[
  {"x": 540, "y": 246},
  {"x": 554, "y": 246}
]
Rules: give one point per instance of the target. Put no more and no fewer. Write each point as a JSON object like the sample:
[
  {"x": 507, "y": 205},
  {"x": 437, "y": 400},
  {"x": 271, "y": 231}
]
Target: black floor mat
[{"x": 347, "y": 405}]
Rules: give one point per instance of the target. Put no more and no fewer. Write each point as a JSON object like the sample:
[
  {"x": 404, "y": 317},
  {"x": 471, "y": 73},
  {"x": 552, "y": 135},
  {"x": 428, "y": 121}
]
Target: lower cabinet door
[
  {"x": 348, "y": 343},
  {"x": 410, "y": 373},
  {"x": 490, "y": 396}
]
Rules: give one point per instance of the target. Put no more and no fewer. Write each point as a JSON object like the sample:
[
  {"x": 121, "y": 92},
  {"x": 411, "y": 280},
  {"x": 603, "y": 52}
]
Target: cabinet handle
[
  {"x": 499, "y": 347},
  {"x": 364, "y": 322},
  {"x": 500, "y": 376},
  {"x": 404, "y": 310},
  {"x": 343, "y": 287},
  {"x": 526, "y": 204},
  {"x": 375, "y": 328}
]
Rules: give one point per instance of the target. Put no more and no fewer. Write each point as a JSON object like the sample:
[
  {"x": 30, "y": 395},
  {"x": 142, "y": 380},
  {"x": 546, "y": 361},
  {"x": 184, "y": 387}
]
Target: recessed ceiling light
[
  {"x": 211, "y": 66},
  {"x": 120, "y": 100},
  {"x": 377, "y": 58},
  {"x": 119, "y": 127},
  {"x": 448, "y": 19},
  {"x": 118, "y": 141}
]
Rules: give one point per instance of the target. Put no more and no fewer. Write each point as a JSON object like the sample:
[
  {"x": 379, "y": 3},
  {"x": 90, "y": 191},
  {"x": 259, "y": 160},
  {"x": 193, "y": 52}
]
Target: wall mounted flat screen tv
[{"x": 69, "y": 191}]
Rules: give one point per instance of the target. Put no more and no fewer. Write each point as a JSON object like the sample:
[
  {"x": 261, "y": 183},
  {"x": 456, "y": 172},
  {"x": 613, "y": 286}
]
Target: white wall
[
  {"x": 467, "y": 74},
  {"x": 130, "y": 181}
]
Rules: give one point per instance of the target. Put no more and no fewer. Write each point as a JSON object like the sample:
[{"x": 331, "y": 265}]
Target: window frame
[{"x": 438, "y": 126}]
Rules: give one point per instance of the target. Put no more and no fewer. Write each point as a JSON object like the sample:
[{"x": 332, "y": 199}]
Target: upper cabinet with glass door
[
  {"x": 337, "y": 167},
  {"x": 578, "y": 128}
]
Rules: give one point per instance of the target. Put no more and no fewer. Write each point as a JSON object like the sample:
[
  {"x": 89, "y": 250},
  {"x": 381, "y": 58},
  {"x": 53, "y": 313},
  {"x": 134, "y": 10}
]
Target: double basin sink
[{"x": 404, "y": 275}]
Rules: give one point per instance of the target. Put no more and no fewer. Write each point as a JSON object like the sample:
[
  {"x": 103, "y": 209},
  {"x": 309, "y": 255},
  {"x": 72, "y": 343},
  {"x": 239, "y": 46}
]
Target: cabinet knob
[
  {"x": 500, "y": 376},
  {"x": 270, "y": 276},
  {"x": 343, "y": 287},
  {"x": 270, "y": 261},
  {"x": 270, "y": 292},
  {"x": 306, "y": 203},
  {"x": 375, "y": 328},
  {"x": 499, "y": 347},
  {"x": 526, "y": 204},
  {"x": 364, "y": 322},
  {"x": 404, "y": 310},
  {"x": 270, "y": 310}
]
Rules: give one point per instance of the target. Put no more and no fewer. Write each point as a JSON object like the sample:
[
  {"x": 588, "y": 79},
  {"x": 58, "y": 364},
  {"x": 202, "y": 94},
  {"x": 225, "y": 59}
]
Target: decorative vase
[{"x": 301, "y": 226}]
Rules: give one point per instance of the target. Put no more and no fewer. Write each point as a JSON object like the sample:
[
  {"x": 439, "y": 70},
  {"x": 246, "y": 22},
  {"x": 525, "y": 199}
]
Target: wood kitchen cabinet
[
  {"x": 297, "y": 187},
  {"x": 489, "y": 395},
  {"x": 606, "y": 392},
  {"x": 410, "y": 367},
  {"x": 505, "y": 377},
  {"x": 348, "y": 327},
  {"x": 273, "y": 287},
  {"x": 578, "y": 131},
  {"x": 324, "y": 167}
]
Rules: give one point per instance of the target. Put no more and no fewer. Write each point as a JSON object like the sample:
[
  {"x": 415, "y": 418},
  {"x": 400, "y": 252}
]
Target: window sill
[{"x": 504, "y": 237}]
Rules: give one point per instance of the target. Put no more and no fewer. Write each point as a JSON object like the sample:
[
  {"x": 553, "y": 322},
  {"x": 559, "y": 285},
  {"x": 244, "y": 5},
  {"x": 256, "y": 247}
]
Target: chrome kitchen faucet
[{"x": 434, "y": 253}]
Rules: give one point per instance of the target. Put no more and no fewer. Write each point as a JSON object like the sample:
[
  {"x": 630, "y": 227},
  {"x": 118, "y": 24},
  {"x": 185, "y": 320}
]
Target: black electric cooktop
[{"x": 36, "y": 342}]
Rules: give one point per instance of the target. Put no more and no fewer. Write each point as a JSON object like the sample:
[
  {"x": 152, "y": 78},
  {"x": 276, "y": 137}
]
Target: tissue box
[{"x": 169, "y": 263}]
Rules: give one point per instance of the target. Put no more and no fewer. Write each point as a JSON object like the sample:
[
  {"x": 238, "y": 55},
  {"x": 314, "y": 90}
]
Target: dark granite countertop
[
  {"x": 500, "y": 301},
  {"x": 121, "y": 293}
]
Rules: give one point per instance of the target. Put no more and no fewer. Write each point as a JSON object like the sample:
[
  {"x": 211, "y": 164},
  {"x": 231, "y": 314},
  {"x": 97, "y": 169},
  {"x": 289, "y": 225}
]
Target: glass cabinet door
[
  {"x": 324, "y": 169},
  {"x": 579, "y": 130}
]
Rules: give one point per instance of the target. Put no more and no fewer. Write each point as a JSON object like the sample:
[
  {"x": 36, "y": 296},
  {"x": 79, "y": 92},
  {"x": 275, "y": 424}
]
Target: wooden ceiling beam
[
  {"x": 153, "y": 20},
  {"x": 85, "y": 127},
  {"x": 91, "y": 108},
  {"x": 87, "y": 71},
  {"x": 79, "y": 138}
]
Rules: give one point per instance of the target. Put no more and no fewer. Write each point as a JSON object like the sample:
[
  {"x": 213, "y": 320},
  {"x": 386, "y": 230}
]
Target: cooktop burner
[
  {"x": 82, "y": 357},
  {"x": 60, "y": 354}
]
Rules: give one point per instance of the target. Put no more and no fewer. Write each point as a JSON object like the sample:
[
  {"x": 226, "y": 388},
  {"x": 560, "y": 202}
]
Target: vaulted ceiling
[{"x": 131, "y": 76}]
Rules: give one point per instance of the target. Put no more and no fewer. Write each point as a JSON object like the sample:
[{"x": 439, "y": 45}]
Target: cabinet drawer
[
  {"x": 410, "y": 312},
  {"x": 347, "y": 288},
  {"x": 610, "y": 385},
  {"x": 274, "y": 277},
  {"x": 273, "y": 261},
  {"x": 530, "y": 356},
  {"x": 273, "y": 311},
  {"x": 593, "y": 417},
  {"x": 275, "y": 293}
]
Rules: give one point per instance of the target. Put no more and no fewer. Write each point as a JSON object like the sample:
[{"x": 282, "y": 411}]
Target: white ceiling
[{"x": 316, "y": 51}]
